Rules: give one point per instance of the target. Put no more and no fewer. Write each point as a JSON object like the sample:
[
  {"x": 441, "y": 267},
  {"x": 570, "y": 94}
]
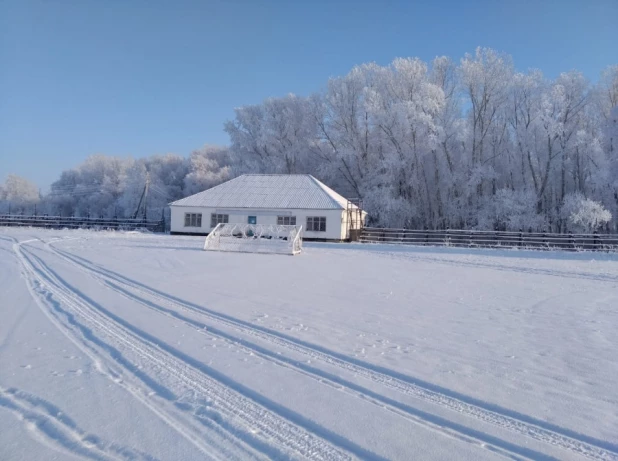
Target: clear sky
[{"x": 142, "y": 77}]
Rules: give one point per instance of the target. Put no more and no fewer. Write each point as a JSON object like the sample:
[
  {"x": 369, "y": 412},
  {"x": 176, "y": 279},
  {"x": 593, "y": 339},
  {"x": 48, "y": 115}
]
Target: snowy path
[
  {"x": 92, "y": 321},
  {"x": 594, "y": 449},
  {"x": 224, "y": 413}
]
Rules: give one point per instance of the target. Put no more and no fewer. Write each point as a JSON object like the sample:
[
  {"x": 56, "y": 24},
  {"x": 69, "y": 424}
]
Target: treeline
[
  {"x": 111, "y": 186},
  {"x": 473, "y": 144}
]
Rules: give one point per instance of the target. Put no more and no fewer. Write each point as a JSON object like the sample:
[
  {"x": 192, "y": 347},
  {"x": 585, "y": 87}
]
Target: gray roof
[{"x": 272, "y": 191}]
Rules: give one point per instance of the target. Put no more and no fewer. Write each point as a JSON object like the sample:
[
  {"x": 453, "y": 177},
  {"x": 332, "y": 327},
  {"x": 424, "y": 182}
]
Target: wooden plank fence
[
  {"x": 491, "y": 239},
  {"x": 76, "y": 222}
]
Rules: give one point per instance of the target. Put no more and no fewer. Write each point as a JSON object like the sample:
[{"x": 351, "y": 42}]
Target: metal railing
[
  {"x": 491, "y": 239},
  {"x": 255, "y": 238}
]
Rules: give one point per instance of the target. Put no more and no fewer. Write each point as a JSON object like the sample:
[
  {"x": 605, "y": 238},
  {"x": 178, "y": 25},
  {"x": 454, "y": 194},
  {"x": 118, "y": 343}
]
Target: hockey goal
[{"x": 255, "y": 238}]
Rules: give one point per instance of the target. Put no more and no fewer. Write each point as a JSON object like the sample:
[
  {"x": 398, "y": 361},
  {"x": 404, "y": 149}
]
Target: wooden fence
[
  {"x": 491, "y": 239},
  {"x": 74, "y": 222}
]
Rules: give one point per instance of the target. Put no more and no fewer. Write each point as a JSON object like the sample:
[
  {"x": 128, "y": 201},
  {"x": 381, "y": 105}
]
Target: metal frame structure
[
  {"x": 255, "y": 238},
  {"x": 354, "y": 214}
]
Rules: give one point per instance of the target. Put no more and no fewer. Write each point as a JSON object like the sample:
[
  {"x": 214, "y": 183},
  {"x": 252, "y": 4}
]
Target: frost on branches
[
  {"x": 112, "y": 186},
  {"x": 586, "y": 215},
  {"x": 468, "y": 144},
  {"x": 17, "y": 194},
  {"x": 474, "y": 144}
]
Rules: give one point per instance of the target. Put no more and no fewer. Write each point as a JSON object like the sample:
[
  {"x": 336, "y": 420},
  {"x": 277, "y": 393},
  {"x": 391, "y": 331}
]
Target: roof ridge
[
  {"x": 275, "y": 174},
  {"x": 334, "y": 195},
  {"x": 322, "y": 187}
]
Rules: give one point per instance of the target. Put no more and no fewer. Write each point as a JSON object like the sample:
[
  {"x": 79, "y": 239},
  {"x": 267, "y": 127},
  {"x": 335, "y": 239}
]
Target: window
[
  {"x": 316, "y": 224},
  {"x": 218, "y": 219},
  {"x": 252, "y": 220},
  {"x": 193, "y": 219},
  {"x": 286, "y": 220}
]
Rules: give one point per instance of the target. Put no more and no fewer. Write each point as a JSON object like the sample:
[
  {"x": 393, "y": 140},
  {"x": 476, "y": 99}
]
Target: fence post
[
  {"x": 596, "y": 239},
  {"x": 544, "y": 238},
  {"x": 572, "y": 241},
  {"x": 469, "y": 238},
  {"x": 426, "y": 236},
  {"x": 521, "y": 237}
]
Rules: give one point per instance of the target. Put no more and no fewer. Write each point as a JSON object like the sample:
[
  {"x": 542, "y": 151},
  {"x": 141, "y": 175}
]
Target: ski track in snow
[
  {"x": 259, "y": 427},
  {"x": 73, "y": 330},
  {"x": 483, "y": 411},
  {"x": 58, "y": 431},
  {"x": 416, "y": 416}
]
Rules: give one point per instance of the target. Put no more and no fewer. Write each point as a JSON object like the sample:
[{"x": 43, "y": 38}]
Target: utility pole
[{"x": 146, "y": 194}]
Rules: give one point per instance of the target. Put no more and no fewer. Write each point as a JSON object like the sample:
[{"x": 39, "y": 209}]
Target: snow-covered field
[{"x": 135, "y": 346}]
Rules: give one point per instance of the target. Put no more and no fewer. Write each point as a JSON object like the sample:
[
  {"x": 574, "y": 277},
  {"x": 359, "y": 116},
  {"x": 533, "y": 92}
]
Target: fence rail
[
  {"x": 75, "y": 222},
  {"x": 491, "y": 239}
]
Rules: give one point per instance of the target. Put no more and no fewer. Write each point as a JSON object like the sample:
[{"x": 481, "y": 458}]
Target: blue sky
[{"x": 135, "y": 78}]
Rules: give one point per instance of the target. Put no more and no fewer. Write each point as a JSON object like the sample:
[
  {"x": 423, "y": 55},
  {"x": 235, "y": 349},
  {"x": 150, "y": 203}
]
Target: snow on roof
[{"x": 273, "y": 191}]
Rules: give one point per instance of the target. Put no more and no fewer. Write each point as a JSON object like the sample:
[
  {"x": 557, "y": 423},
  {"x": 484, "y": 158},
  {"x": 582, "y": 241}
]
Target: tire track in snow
[
  {"x": 259, "y": 422},
  {"x": 58, "y": 431},
  {"x": 492, "y": 414}
]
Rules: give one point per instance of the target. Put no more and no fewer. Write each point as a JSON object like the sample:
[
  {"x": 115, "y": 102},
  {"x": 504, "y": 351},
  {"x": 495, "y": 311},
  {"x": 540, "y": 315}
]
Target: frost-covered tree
[
  {"x": 485, "y": 80},
  {"x": 209, "y": 166},
  {"x": 474, "y": 144},
  {"x": 112, "y": 186},
  {"x": 462, "y": 144},
  {"x": 93, "y": 188},
  {"x": 273, "y": 136},
  {"x": 585, "y": 215},
  {"x": 18, "y": 194}
]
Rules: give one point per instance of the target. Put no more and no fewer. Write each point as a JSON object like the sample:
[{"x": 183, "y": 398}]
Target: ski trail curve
[
  {"x": 58, "y": 431},
  {"x": 72, "y": 331},
  {"x": 416, "y": 416},
  {"x": 521, "y": 424},
  {"x": 253, "y": 422}
]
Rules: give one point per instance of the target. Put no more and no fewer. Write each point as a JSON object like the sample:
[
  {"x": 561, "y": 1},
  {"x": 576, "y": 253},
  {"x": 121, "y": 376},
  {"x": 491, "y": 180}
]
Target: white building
[{"x": 269, "y": 199}]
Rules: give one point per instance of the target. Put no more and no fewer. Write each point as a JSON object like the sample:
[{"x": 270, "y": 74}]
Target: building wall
[{"x": 335, "y": 220}]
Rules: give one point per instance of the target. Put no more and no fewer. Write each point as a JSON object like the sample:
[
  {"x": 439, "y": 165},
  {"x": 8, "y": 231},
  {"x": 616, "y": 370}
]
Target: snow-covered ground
[{"x": 135, "y": 346}]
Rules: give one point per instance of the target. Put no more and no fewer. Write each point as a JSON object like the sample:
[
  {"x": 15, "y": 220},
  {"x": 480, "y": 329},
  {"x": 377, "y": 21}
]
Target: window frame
[
  {"x": 218, "y": 218},
  {"x": 281, "y": 220},
  {"x": 193, "y": 220},
  {"x": 316, "y": 223}
]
